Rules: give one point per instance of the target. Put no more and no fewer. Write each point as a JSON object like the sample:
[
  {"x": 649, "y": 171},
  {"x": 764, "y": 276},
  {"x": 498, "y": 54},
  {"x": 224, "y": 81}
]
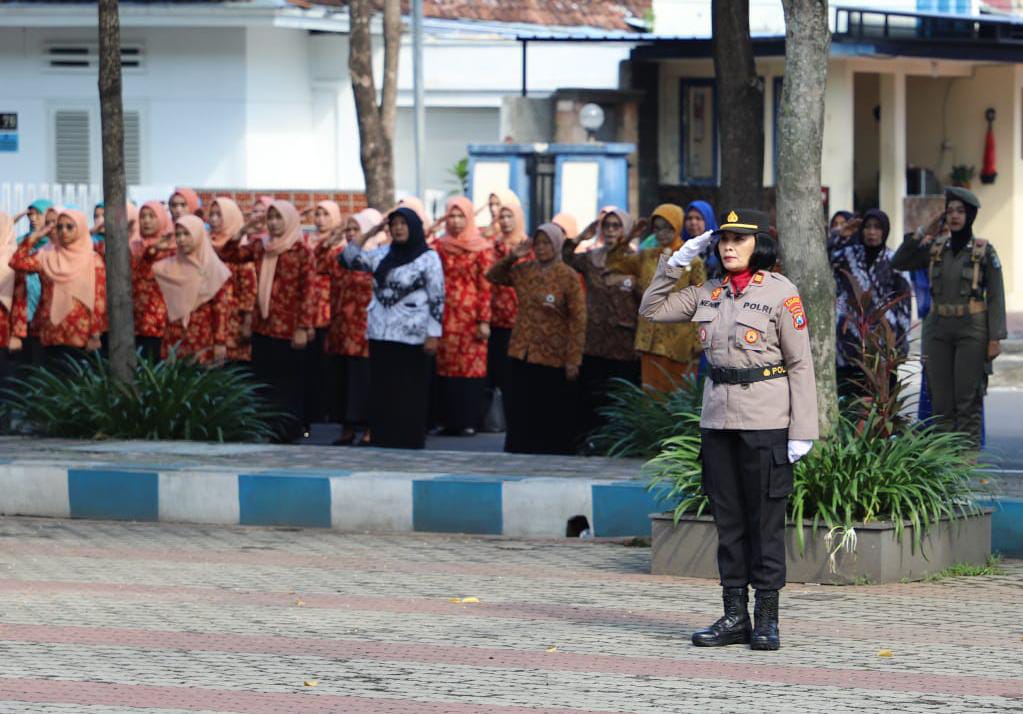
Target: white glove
[
  {"x": 689, "y": 250},
  {"x": 798, "y": 449}
]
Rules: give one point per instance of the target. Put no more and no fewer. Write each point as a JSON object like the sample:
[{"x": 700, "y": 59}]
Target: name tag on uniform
[
  {"x": 710, "y": 303},
  {"x": 757, "y": 307}
]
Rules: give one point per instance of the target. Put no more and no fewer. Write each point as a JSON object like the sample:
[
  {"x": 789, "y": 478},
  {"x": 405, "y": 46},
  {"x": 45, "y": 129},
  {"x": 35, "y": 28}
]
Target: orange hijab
[
  {"x": 675, "y": 216},
  {"x": 469, "y": 240},
  {"x": 519, "y": 233},
  {"x": 567, "y": 223},
  {"x": 139, "y": 242},
  {"x": 275, "y": 246},
  {"x": 190, "y": 196},
  {"x": 189, "y": 280},
  {"x": 8, "y": 244},
  {"x": 72, "y": 270},
  {"x": 232, "y": 221}
]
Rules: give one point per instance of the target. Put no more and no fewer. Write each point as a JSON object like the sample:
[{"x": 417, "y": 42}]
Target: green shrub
[
  {"x": 168, "y": 400},
  {"x": 917, "y": 477},
  {"x": 638, "y": 419}
]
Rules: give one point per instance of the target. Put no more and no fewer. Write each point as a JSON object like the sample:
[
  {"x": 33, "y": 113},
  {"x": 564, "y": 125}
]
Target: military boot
[
  {"x": 765, "y": 618},
  {"x": 732, "y": 629}
]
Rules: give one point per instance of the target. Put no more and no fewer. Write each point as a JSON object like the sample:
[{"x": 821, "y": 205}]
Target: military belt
[
  {"x": 747, "y": 375},
  {"x": 974, "y": 307}
]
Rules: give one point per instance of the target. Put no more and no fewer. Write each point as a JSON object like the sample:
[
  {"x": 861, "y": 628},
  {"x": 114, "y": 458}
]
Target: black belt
[{"x": 747, "y": 375}]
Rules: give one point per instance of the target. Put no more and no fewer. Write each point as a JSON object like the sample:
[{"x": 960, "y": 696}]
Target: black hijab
[
  {"x": 961, "y": 237},
  {"x": 402, "y": 253},
  {"x": 881, "y": 217},
  {"x": 847, "y": 215}
]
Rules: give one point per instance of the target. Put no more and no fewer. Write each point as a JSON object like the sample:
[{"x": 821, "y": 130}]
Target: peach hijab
[
  {"x": 189, "y": 280},
  {"x": 274, "y": 247},
  {"x": 334, "y": 211},
  {"x": 190, "y": 196},
  {"x": 8, "y": 244},
  {"x": 138, "y": 242},
  {"x": 469, "y": 240},
  {"x": 232, "y": 220},
  {"x": 71, "y": 269}
]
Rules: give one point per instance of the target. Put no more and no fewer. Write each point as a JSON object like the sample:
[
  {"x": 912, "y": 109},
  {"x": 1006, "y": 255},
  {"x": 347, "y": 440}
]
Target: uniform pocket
[
  {"x": 779, "y": 483},
  {"x": 703, "y": 319},
  {"x": 750, "y": 331}
]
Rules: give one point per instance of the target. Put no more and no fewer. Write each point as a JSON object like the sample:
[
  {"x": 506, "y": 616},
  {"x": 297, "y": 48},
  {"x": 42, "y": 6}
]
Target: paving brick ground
[{"x": 116, "y": 617}]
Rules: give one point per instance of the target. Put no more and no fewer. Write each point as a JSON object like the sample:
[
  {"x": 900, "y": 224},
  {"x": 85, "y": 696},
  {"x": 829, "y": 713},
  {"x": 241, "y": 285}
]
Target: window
[
  {"x": 132, "y": 149},
  {"x": 71, "y": 139},
  {"x": 699, "y": 152}
]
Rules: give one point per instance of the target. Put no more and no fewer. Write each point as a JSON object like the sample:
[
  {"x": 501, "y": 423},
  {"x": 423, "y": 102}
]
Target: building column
[
  {"x": 839, "y": 136},
  {"x": 893, "y": 148}
]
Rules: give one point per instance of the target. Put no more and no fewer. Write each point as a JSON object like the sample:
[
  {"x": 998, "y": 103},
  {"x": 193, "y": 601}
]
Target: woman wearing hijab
[
  {"x": 862, "y": 263},
  {"x": 13, "y": 325},
  {"x": 346, "y": 345},
  {"x": 327, "y": 219},
  {"x": 612, "y": 302},
  {"x": 495, "y": 202},
  {"x": 152, "y": 228},
  {"x": 504, "y": 303},
  {"x": 668, "y": 352},
  {"x": 462, "y": 353},
  {"x": 196, "y": 288},
  {"x": 546, "y": 346},
  {"x": 31, "y": 352},
  {"x": 183, "y": 202},
  {"x": 72, "y": 312},
  {"x": 226, "y": 222},
  {"x": 98, "y": 213},
  {"x": 417, "y": 205},
  {"x": 285, "y": 309},
  {"x": 403, "y": 326}
]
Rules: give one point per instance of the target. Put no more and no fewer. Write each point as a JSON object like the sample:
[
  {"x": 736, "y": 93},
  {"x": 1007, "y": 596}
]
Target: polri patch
[{"x": 751, "y": 337}]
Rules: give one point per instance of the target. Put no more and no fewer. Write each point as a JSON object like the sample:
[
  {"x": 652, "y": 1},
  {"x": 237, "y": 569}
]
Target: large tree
[
  {"x": 740, "y": 106},
  {"x": 801, "y": 221},
  {"x": 115, "y": 229},
  {"x": 376, "y": 119}
]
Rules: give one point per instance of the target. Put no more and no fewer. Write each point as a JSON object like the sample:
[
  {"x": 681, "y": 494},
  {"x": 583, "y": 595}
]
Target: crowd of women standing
[{"x": 389, "y": 325}]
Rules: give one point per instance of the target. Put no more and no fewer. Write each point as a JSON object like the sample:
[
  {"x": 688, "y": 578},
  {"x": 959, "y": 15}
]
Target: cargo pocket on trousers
[{"x": 779, "y": 483}]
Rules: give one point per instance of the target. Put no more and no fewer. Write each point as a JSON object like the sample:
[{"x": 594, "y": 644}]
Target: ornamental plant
[{"x": 172, "y": 399}]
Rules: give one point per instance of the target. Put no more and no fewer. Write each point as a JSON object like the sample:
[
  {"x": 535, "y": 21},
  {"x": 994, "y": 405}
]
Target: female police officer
[{"x": 759, "y": 411}]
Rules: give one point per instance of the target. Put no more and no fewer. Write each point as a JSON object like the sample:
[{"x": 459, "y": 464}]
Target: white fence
[{"x": 15, "y": 197}]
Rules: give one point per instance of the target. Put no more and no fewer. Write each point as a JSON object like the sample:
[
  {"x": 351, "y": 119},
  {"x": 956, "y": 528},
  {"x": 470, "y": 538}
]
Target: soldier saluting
[
  {"x": 961, "y": 333},
  {"x": 759, "y": 411}
]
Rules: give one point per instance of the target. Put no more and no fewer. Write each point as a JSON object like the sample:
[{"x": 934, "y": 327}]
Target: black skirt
[
  {"x": 399, "y": 393},
  {"x": 539, "y": 406},
  {"x": 314, "y": 408},
  {"x": 281, "y": 369},
  {"x": 358, "y": 378},
  {"x": 594, "y": 382},
  {"x": 462, "y": 400},
  {"x": 497, "y": 357}
]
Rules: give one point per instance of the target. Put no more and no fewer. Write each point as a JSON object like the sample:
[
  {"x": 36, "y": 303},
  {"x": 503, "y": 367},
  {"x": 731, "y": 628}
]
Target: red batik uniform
[
  {"x": 243, "y": 301},
  {"x": 504, "y": 302},
  {"x": 81, "y": 323},
  {"x": 207, "y": 328},
  {"x": 321, "y": 290},
  {"x": 292, "y": 302},
  {"x": 350, "y": 294},
  {"x": 14, "y": 323},
  {"x": 148, "y": 306},
  {"x": 467, "y": 297}
]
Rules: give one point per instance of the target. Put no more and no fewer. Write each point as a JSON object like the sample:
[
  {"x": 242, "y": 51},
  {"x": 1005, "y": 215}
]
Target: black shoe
[
  {"x": 765, "y": 615},
  {"x": 732, "y": 629}
]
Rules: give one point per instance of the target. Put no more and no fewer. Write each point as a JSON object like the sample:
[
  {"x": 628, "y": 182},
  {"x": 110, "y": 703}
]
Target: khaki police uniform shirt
[{"x": 765, "y": 325}]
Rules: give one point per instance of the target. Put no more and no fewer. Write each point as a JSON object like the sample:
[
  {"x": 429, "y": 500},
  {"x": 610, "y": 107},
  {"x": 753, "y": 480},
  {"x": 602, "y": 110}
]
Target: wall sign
[{"x": 8, "y": 132}]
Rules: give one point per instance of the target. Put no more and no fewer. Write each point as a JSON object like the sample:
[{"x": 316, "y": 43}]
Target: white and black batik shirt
[{"x": 409, "y": 306}]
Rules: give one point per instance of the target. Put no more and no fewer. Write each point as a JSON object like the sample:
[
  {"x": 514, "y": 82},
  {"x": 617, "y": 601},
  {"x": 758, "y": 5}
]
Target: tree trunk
[
  {"x": 802, "y": 226},
  {"x": 376, "y": 121},
  {"x": 740, "y": 95},
  {"x": 118, "y": 259}
]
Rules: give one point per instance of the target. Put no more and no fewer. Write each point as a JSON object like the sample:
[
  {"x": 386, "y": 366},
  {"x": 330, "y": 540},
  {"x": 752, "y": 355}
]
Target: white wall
[{"x": 192, "y": 86}]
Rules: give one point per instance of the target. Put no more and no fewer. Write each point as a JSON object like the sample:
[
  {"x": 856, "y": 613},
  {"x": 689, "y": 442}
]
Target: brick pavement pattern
[{"x": 121, "y": 617}]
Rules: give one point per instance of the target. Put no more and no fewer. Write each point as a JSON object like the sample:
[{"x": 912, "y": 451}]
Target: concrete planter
[{"x": 690, "y": 550}]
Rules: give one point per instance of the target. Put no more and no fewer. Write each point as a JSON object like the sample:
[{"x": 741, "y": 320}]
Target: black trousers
[
  {"x": 539, "y": 407},
  {"x": 497, "y": 357},
  {"x": 462, "y": 400},
  {"x": 314, "y": 407},
  {"x": 281, "y": 370},
  {"x": 55, "y": 357},
  {"x": 149, "y": 346},
  {"x": 31, "y": 352},
  {"x": 748, "y": 478},
  {"x": 399, "y": 392},
  {"x": 595, "y": 377}
]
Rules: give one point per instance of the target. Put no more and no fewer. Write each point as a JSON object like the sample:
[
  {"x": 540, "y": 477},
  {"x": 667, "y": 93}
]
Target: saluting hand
[
  {"x": 521, "y": 250},
  {"x": 682, "y": 257}
]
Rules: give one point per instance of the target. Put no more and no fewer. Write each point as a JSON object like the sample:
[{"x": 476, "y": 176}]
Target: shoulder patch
[
  {"x": 758, "y": 279},
  {"x": 795, "y": 307}
]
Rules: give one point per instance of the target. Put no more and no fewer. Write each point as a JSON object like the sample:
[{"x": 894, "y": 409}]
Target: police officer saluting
[
  {"x": 961, "y": 333},
  {"x": 759, "y": 411}
]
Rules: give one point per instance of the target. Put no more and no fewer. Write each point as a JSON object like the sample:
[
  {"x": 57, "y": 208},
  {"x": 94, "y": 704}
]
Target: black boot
[
  {"x": 732, "y": 629},
  {"x": 765, "y": 615}
]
